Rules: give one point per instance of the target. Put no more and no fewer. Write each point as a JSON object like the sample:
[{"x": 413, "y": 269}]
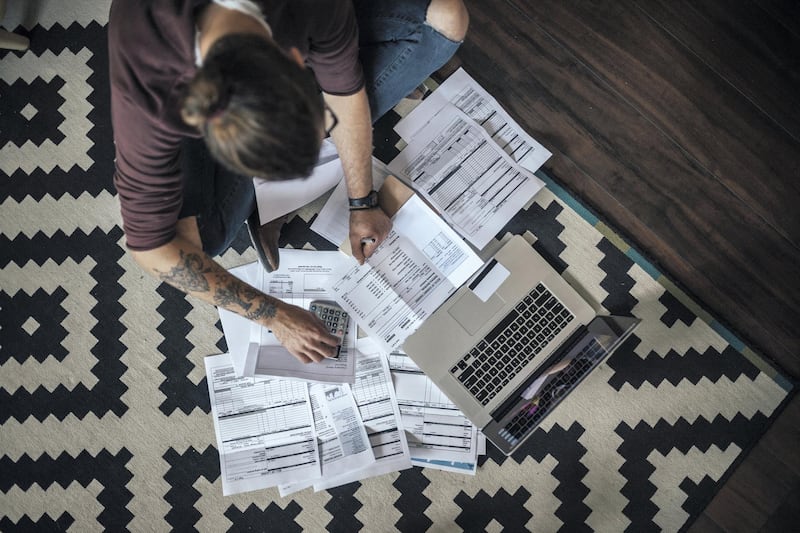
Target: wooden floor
[{"x": 679, "y": 122}]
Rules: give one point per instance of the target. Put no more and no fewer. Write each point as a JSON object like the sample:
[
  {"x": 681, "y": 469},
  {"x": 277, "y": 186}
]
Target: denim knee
[{"x": 398, "y": 49}]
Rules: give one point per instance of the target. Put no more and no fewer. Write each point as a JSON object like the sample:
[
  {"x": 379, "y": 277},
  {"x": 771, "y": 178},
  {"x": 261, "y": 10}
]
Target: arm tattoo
[
  {"x": 229, "y": 292},
  {"x": 188, "y": 275},
  {"x": 265, "y": 309}
]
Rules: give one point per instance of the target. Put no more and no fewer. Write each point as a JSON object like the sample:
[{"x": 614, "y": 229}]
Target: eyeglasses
[{"x": 331, "y": 120}]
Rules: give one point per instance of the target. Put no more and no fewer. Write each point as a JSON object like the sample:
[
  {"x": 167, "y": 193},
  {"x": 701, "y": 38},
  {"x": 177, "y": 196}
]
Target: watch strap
[{"x": 369, "y": 201}]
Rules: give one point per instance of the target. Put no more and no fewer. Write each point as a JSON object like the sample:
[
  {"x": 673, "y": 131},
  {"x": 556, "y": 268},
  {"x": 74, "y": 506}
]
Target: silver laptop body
[{"x": 492, "y": 357}]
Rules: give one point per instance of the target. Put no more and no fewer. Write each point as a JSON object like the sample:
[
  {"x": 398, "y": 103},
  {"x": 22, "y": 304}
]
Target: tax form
[
  {"x": 264, "y": 428},
  {"x": 439, "y": 435},
  {"x": 341, "y": 435},
  {"x": 409, "y": 275},
  {"x": 377, "y": 405},
  {"x": 461, "y": 90},
  {"x": 455, "y": 164}
]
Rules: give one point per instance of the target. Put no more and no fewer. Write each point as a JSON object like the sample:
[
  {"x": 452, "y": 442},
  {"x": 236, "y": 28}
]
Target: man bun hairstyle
[{"x": 261, "y": 114}]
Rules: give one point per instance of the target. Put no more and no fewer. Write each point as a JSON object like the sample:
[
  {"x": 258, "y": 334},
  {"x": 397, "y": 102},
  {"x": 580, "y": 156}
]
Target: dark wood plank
[
  {"x": 785, "y": 11},
  {"x": 705, "y": 524},
  {"x": 785, "y": 518},
  {"x": 783, "y": 437},
  {"x": 763, "y": 480},
  {"x": 744, "y": 45},
  {"x": 699, "y": 112},
  {"x": 734, "y": 513},
  {"x": 633, "y": 172}
]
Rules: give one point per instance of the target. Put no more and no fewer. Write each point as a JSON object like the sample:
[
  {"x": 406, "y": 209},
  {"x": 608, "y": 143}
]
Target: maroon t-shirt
[{"x": 152, "y": 58}]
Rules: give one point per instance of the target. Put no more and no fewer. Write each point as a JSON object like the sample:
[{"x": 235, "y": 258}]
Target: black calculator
[{"x": 334, "y": 317}]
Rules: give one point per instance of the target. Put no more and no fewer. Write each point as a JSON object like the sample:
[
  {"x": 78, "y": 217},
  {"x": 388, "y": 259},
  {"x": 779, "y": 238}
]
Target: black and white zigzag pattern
[{"x": 104, "y": 406}]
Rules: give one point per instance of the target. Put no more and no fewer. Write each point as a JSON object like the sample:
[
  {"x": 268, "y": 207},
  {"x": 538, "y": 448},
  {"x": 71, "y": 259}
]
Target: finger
[
  {"x": 316, "y": 357},
  {"x": 368, "y": 246},
  {"x": 358, "y": 252},
  {"x": 302, "y": 358},
  {"x": 329, "y": 346},
  {"x": 319, "y": 354},
  {"x": 319, "y": 349}
]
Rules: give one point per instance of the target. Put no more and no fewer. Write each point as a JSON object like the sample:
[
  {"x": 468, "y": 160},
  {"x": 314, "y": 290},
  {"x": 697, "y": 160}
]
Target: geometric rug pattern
[{"x": 104, "y": 406}]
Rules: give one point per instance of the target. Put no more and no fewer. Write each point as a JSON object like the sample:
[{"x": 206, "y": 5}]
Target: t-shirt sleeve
[
  {"x": 148, "y": 181},
  {"x": 333, "y": 49},
  {"x": 147, "y": 131}
]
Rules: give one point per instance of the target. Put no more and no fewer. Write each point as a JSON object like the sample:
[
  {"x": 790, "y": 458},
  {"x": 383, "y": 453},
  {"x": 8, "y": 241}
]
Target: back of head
[{"x": 260, "y": 112}]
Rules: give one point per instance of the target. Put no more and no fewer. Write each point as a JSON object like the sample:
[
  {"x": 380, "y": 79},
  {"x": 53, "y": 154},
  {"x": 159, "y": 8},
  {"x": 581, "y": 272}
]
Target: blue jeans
[{"x": 398, "y": 51}]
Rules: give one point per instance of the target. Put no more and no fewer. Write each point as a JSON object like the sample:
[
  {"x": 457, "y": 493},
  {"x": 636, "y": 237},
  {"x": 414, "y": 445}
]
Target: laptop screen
[{"x": 524, "y": 410}]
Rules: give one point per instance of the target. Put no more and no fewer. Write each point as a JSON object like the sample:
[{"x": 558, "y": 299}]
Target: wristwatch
[{"x": 369, "y": 201}]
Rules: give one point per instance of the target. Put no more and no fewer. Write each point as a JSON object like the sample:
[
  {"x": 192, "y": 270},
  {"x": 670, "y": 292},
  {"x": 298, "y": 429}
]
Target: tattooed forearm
[
  {"x": 189, "y": 274},
  {"x": 264, "y": 309},
  {"x": 254, "y": 304},
  {"x": 198, "y": 274}
]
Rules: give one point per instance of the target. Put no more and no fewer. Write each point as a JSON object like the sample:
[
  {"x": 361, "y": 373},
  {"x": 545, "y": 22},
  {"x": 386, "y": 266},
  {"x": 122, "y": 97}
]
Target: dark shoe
[{"x": 265, "y": 239}]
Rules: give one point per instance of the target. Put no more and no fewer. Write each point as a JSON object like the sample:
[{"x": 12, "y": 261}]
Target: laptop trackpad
[{"x": 472, "y": 313}]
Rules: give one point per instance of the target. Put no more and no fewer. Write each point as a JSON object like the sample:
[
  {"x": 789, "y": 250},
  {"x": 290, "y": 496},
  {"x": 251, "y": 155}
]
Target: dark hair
[{"x": 260, "y": 112}]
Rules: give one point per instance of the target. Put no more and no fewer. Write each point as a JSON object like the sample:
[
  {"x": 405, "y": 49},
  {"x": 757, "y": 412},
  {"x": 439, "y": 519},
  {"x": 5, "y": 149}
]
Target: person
[{"x": 206, "y": 94}]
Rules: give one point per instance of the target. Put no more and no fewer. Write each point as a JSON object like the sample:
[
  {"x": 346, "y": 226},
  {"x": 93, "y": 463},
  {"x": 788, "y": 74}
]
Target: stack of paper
[{"x": 294, "y": 434}]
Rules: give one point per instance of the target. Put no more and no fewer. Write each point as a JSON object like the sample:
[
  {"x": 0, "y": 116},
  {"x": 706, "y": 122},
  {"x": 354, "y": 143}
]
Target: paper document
[
  {"x": 438, "y": 434},
  {"x": 264, "y": 428},
  {"x": 341, "y": 435},
  {"x": 461, "y": 90},
  {"x": 455, "y": 165},
  {"x": 377, "y": 404},
  {"x": 304, "y": 276},
  {"x": 409, "y": 275},
  {"x": 277, "y": 198}
]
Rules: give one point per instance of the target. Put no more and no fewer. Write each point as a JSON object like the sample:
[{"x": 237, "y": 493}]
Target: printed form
[
  {"x": 264, "y": 428},
  {"x": 456, "y": 165},
  {"x": 409, "y": 275},
  {"x": 341, "y": 435},
  {"x": 461, "y": 90},
  {"x": 379, "y": 411},
  {"x": 439, "y": 435}
]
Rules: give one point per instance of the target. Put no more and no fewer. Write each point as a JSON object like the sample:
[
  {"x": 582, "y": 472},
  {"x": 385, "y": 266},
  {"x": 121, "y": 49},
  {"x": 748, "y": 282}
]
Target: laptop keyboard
[{"x": 506, "y": 350}]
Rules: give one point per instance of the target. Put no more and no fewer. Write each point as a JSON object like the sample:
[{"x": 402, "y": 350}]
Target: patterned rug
[{"x": 104, "y": 405}]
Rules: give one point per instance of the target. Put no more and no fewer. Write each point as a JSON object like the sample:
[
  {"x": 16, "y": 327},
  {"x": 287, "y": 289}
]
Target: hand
[
  {"x": 303, "y": 334},
  {"x": 368, "y": 228}
]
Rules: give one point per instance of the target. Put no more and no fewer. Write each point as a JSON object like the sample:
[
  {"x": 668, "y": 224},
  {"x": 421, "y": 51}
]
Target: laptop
[{"x": 507, "y": 356}]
